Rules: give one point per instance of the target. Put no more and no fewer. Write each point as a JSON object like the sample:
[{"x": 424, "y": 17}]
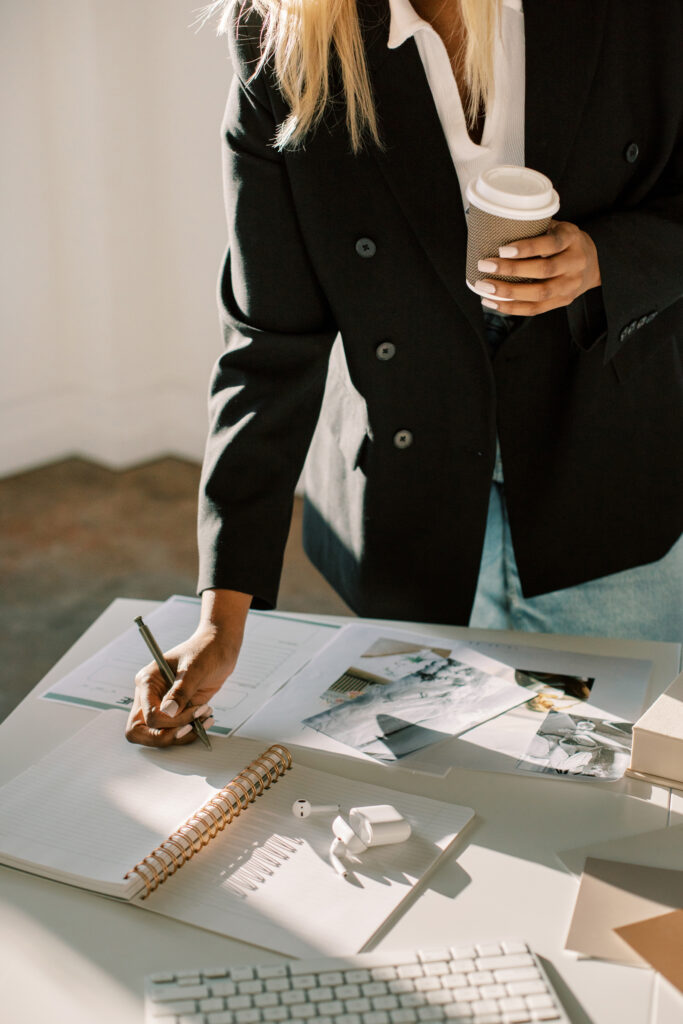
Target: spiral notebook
[{"x": 209, "y": 838}]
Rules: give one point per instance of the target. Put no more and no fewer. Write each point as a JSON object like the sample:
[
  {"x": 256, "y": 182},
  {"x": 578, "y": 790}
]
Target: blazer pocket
[{"x": 642, "y": 347}]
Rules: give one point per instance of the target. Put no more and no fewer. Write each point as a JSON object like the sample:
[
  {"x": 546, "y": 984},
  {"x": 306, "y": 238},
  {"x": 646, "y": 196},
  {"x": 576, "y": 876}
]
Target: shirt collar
[{"x": 405, "y": 21}]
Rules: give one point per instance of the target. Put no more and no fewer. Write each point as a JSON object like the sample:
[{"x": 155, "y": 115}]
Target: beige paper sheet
[
  {"x": 659, "y": 941},
  {"x": 612, "y": 895}
]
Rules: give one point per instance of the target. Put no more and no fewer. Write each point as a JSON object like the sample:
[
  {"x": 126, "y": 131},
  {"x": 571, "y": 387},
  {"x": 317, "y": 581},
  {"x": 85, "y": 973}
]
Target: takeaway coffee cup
[{"x": 505, "y": 203}]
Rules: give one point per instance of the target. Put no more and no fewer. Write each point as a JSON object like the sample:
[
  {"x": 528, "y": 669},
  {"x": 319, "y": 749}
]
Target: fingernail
[
  {"x": 491, "y": 305},
  {"x": 169, "y": 707},
  {"x": 203, "y": 710},
  {"x": 508, "y": 251},
  {"x": 208, "y": 722},
  {"x": 484, "y": 286},
  {"x": 183, "y": 731},
  {"x": 487, "y": 266}
]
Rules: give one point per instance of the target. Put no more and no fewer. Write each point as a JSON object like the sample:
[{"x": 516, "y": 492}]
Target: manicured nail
[
  {"x": 169, "y": 707},
  {"x": 208, "y": 722},
  {"x": 487, "y": 266},
  {"x": 484, "y": 286},
  {"x": 491, "y": 305},
  {"x": 508, "y": 251},
  {"x": 203, "y": 710},
  {"x": 183, "y": 731}
]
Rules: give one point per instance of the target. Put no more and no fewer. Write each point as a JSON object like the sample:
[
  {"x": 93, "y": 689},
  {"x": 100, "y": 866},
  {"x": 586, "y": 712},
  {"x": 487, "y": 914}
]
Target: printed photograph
[
  {"x": 554, "y": 691},
  {"x": 572, "y": 745},
  {"x": 401, "y": 697}
]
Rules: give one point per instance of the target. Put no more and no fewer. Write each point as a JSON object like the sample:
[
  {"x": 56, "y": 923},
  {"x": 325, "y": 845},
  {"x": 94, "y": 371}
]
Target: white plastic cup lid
[{"x": 511, "y": 191}]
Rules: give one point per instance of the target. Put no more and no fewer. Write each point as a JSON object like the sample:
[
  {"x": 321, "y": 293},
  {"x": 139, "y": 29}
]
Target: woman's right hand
[{"x": 162, "y": 716}]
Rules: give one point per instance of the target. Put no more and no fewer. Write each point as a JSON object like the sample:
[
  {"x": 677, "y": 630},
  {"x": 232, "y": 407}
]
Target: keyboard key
[
  {"x": 346, "y": 991},
  {"x": 248, "y": 1016},
  {"x": 245, "y": 988},
  {"x": 276, "y": 984},
  {"x": 455, "y": 981},
  {"x": 384, "y": 973},
  {"x": 439, "y": 998},
  {"x": 191, "y": 1018},
  {"x": 412, "y": 999},
  {"x": 357, "y": 977},
  {"x": 242, "y": 973},
  {"x": 163, "y": 977},
  {"x": 466, "y": 995},
  {"x": 514, "y": 946},
  {"x": 306, "y": 1010},
  {"x": 319, "y": 995},
  {"x": 224, "y": 1017},
  {"x": 206, "y": 1005},
  {"x": 517, "y": 974},
  {"x": 492, "y": 949},
  {"x": 263, "y": 999},
  {"x": 180, "y": 1006},
  {"x": 331, "y": 978},
  {"x": 272, "y": 971},
  {"x": 517, "y": 1017},
  {"x": 223, "y": 988},
  {"x": 481, "y": 978},
  {"x": 545, "y": 1014},
  {"x": 361, "y": 1005},
  {"x": 375, "y": 988},
  {"x": 456, "y": 1012},
  {"x": 169, "y": 993},
  {"x": 431, "y": 956},
  {"x": 305, "y": 981},
  {"x": 188, "y": 977},
  {"x": 492, "y": 963},
  {"x": 525, "y": 988},
  {"x": 388, "y": 1002},
  {"x": 493, "y": 991},
  {"x": 215, "y": 972},
  {"x": 484, "y": 1006},
  {"x": 539, "y": 1001},
  {"x": 275, "y": 1013},
  {"x": 427, "y": 984},
  {"x": 376, "y": 1017},
  {"x": 290, "y": 998},
  {"x": 512, "y": 1003},
  {"x": 433, "y": 970},
  {"x": 462, "y": 966},
  {"x": 463, "y": 952},
  {"x": 410, "y": 971},
  {"x": 403, "y": 1016},
  {"x": 430, "y": 1013},
  {"x": 401, "y": 985},
  {"x": 239, "y": 1003},
  {"x": 331, "y": 1009},
  {"x": 349, "y": 1018}
]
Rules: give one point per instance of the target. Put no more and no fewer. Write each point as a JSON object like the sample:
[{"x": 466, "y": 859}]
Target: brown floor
[{"x": 73, "y": 536}]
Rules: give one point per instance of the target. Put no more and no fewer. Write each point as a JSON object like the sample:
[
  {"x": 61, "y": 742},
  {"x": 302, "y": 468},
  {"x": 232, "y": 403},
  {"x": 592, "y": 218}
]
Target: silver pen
[{"x": 167, "y": 673}]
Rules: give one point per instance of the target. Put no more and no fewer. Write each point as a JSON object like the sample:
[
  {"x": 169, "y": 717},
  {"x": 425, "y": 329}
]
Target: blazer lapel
[
  {"x": 417, "y": 164},
  {"x": 562, "y": 43}
]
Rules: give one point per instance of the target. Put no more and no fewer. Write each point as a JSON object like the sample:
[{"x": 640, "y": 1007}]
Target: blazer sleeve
[
  {"x": 640, "y": 252},
  {"x": 266, "y": 389}
]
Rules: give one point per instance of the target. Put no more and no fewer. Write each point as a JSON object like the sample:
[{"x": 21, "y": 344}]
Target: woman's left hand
[{"x": 563, "y": 264}]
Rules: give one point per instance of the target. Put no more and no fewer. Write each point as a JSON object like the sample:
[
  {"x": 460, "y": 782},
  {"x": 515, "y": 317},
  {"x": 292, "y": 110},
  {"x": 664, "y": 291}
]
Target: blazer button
[
  {"x": 366, "y": 248},
  {"x": 631, "y": 152},
  {"x": 385, "y": 350},
  {"x": 403, "y": 439}
]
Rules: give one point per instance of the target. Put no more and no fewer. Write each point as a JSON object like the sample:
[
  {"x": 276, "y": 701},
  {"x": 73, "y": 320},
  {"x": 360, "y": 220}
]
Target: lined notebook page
[{"x": 97, "y": 805}]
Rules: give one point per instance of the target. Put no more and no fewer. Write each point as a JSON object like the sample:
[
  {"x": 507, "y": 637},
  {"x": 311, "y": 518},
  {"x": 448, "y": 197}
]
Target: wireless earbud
[{"x": 302, "y": 808}]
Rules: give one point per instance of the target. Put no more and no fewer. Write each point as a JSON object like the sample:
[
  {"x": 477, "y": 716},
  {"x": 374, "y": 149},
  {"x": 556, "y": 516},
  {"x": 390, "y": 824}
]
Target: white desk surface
[{"x": 72, "y": 957}]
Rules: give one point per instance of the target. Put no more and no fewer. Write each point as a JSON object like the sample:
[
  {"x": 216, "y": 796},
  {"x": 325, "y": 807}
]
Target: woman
[{"x": 350, "y": 133}]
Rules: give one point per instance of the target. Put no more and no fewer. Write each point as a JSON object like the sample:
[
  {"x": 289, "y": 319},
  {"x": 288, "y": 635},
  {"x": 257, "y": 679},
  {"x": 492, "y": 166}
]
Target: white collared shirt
[{"x": 502, "y": 141}]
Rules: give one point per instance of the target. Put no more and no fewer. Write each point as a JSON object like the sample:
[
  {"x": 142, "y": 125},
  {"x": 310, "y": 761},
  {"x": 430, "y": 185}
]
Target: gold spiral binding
[{"x": 205, "y": 824}]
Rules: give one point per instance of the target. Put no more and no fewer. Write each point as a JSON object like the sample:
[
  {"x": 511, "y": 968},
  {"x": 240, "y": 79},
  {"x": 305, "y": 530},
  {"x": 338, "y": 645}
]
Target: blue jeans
[{"x": 644, "y": 603}]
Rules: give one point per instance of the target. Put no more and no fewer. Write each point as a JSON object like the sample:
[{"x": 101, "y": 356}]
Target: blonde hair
[{"x": 301, "y": 36}]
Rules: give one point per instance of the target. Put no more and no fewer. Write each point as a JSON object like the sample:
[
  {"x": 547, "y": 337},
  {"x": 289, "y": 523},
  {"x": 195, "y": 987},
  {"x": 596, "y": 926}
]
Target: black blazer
[{"x": 586, "y": 400}]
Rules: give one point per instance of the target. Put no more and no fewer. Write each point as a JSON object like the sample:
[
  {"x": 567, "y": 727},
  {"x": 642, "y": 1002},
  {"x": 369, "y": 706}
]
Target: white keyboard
[{"x": 489, "y": 983}]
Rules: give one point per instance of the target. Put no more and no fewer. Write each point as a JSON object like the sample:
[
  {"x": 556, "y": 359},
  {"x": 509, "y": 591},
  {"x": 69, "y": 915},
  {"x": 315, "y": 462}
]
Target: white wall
[{"x": 112, "y": 228}]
